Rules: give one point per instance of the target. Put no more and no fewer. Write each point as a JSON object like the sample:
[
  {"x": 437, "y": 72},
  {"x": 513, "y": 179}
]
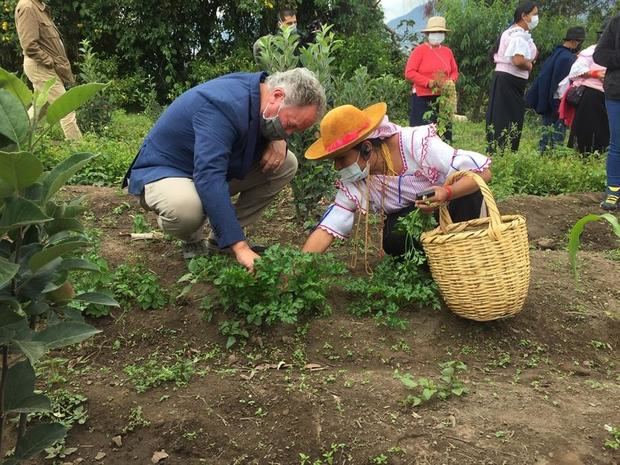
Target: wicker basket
[{"x": 482, "y": 266}]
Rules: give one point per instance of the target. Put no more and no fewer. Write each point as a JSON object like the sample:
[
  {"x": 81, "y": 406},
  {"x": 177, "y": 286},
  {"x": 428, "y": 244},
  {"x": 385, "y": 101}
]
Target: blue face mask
[{"x": 353, "y": 172}]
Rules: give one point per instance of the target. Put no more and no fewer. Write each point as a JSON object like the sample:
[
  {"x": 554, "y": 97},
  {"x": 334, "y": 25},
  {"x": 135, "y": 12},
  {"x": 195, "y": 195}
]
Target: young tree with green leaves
[{"x": 40, "y": 241}]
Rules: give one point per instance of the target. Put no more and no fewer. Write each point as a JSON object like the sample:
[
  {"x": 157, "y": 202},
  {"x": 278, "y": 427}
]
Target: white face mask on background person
[
  {"x": 533, "y": 23},
  {"x": 436, "y": 38},
  {"x": 353, "y": 172}
]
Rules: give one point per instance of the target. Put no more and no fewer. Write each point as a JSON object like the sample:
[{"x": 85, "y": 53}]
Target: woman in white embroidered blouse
[
  {"x": 514, "y": 55},
  {"x": 383, "y": 167}
]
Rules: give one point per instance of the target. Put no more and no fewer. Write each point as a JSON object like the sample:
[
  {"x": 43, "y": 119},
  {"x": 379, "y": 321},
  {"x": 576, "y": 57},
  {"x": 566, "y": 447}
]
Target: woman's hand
[{"x": 432, "y": 203}]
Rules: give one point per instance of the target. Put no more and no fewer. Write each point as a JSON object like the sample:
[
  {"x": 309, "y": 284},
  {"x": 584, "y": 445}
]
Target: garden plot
[{"x": 535, "y": 389}]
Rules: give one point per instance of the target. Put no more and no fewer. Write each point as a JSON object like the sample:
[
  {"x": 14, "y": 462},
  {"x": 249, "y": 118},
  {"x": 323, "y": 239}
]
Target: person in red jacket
[{"x": 429, "y": 67}]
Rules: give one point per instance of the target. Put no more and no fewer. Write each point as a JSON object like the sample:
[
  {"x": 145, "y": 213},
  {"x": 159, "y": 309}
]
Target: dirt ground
[{"x": 542, "y": 385}]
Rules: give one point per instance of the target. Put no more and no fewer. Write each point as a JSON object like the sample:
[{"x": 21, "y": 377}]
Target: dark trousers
[
  {"x": 421, "y": 106},
  {"x": 553, "y": 131},
  {"x": 461, "y": 209}
]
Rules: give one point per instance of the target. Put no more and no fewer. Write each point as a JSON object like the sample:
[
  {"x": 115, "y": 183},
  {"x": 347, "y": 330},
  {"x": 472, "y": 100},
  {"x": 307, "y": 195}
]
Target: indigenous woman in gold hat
[{"x": 383, "y": 167}]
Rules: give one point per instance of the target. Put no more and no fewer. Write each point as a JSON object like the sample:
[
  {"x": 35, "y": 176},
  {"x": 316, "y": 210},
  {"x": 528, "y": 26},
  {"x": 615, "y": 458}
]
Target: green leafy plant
[
  {"x": 280, "y": 52},
  {"x": 380, "y": 459},
  {"x": 614, "y": 441},
  {"x": 158, "y": 369},
  {"x": 397, "y": 282},
  {"x": 67, "y": 408},
  {"x": 574, "y": 237},
  {"x": 100, "y": 280},
  {"x": 96, "y": 114},
  {"x": 136, "y": 420},
  {"x": 140, "y": 224},
  {"x": 327, "y": 458},
  {"x": 286, "y": 285},
  {"x": 426, "y": 389},
  {"x": 40, "y": 237},
  {"x": 134, "y": 283}
]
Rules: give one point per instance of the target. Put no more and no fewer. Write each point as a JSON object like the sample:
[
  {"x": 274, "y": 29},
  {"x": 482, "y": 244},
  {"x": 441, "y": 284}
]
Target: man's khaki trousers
[
  {"x": 38, "y": 76},
  {"x": 179, "y": 209}
]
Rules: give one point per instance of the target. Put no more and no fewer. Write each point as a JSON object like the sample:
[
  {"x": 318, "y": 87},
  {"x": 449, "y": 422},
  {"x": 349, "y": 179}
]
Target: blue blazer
[
  {"x": 540, "y": 96},
  {"x": 210, "y": 134}
]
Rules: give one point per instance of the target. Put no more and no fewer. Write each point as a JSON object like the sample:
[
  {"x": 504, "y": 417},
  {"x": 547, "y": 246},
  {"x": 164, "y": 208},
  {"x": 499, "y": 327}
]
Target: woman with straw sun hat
[
  {"x": 432, "y": 69},
  {"x": 383, "y": 167}
]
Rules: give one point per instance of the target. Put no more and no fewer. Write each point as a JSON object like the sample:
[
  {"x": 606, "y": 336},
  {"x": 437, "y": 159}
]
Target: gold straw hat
[
  {"x": 343, "y": 127},
  {"x": 436, "y": 24}
]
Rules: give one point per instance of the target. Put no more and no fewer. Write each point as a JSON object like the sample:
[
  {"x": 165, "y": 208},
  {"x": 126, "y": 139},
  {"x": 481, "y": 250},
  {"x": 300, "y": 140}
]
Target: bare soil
[{"x": 542, "y": 384}]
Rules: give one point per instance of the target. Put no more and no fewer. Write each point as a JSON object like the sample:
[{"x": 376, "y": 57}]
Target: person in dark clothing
[
  {"x": 287, "y": 19},
  {"x": 586, "y": 115},
  {"x": 607, "y": 54},
  {"x": 542, "y": 95}
]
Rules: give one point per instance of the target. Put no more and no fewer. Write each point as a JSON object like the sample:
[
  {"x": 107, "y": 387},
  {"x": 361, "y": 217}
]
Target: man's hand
[
  {"x": 274, "y": 156},
  {"x": 244, "y": 254}
]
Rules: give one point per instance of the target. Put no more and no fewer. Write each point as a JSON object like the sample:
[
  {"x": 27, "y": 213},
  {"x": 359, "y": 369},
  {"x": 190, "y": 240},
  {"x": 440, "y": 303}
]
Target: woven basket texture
[{"x": 482, "y": 266}]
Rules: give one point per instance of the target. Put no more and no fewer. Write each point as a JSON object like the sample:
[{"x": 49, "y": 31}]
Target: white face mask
[
  {"x": 533, "y": 23},
  {"x": 436, "y": 38},
  {"x": 353, "y": 172}
]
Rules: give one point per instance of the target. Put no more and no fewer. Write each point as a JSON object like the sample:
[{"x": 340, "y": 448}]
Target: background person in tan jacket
[{"x": 44, "y": 55}]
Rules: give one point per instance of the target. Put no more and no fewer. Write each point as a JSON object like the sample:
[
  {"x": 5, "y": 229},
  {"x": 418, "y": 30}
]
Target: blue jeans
[
  {"x": 553, "y": 132},
  {"x": 613, "y": 157}
]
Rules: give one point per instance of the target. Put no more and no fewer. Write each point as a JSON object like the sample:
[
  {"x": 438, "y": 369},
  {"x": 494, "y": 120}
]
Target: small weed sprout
[
  {"x": 140, "y": 224},
  {"x": 614, "y": 441},
  {"x": 157, "y": 370},
  {"x": 135, "y": 420},
  {"x": 327, "y": 458},
  {"x": 426, "y": 389}
]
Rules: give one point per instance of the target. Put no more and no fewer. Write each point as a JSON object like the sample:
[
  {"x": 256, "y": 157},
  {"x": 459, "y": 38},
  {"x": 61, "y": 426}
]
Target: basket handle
[{"x": 495, "y": 219}]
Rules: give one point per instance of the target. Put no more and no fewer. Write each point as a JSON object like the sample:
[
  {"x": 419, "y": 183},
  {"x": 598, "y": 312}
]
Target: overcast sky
[{"x": 395, "y": 8}]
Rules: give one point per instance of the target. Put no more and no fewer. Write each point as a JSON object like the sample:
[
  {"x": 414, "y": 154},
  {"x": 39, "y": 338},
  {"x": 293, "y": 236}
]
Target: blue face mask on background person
[
  {"x": 353, "y": 172},
  {"x": 271, "y": 128}
]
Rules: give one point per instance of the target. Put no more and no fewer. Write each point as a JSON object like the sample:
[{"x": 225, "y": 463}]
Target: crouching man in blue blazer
[{"x": 224, "y": 137}]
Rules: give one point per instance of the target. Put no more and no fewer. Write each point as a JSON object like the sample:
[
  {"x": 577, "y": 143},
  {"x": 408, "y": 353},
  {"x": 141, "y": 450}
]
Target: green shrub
[
  {"x": 362, "y": 90},
  {"x": 205, "y": 68},
  {"x": 286, "y": 286},
  {"x": 41, "y": 237},
  {"x": 116, "y": 150},
  {"x": 561, "y": 172},
  {"x": 558, "y": 171},
  {"x": 373, "y": 49},
  {"x": 397, "y": 282},
  {"x": 136, "y": 284}
]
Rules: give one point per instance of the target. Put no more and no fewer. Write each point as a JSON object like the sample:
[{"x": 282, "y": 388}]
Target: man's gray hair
[{"x": 301, "y": 88}]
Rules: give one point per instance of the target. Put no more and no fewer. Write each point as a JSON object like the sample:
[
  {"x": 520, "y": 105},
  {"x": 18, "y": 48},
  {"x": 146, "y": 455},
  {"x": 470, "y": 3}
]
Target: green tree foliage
[
  {"x": 164, "y": 41},
  {"x": 39, "y": 239}
]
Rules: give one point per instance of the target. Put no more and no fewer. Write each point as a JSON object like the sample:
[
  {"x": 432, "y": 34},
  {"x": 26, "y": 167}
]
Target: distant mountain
[{"x": 416, "y": 14}]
